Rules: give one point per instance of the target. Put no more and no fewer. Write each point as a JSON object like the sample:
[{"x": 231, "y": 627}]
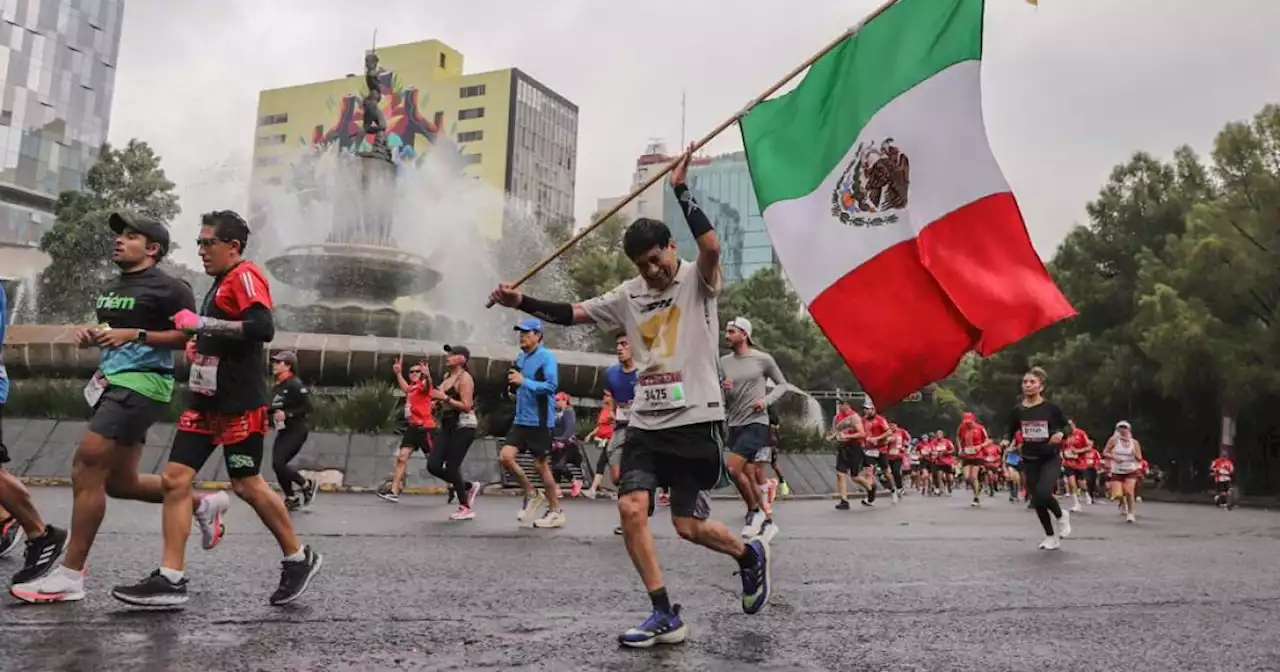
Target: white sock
[
  {"x": 173, "y": 575},
  {"x": 299, "y": 556}
]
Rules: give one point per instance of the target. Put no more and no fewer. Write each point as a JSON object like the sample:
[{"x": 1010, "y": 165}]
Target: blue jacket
[
  {"x": 4, "y": 322},
  {"x": 535, "y": 399}
]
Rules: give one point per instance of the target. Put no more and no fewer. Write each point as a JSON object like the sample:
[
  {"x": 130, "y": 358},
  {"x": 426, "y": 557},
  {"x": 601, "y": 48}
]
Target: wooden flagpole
[{"x": 688, "y": 153}]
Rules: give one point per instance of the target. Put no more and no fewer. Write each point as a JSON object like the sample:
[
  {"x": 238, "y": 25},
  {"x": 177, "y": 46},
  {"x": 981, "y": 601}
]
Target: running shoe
[
  {"x": 42, "y": 554},
  {"x": 976, "y": 502},
  {"x": 11, "y": 535},
  {"x": 531, "y": 505},
  {"x": 463, "y": 513},
  {"x": 59, "y": 585},
  {"x": 295, "y": 576},
  {"x": 1130, "y": 518},
  {"x": 153, "y": 591},
  {"x": 768, "y": 530},
  {"x": 660, "y": 628},
  {"x": 784, "y": 489},
  {"x": 1050, "y": 543},
  {"x": 895, "y": 495},
  {"x": 589, "y": 493},
  {"x": 550, "y": 519},
  {"x": 208, "y": 516},
  {"x": 450, "y": 495},
  {"x": 756, "y": 579},
  {"x": 1064, "y": 525},
  {"x": 576, "y": 490},
  {"x": 868, "y": 503},
  {"x": 754, "y": 523},
  {"x": 309, "y": 492},
  {"x": 1076, "y": 508},
  {"x": 473, "y": 491},
  {"x": 618, "y": 530},
  {"x": 842, "y": 505},
  {"x": 293, "y": 502},
  {"x": 389, "y": 496}
]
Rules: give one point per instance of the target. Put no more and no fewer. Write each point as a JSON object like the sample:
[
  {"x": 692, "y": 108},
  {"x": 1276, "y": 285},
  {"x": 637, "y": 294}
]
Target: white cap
[
  {"x": 867, "y": 404},
  {"x": 1123, "y": 424},
  {"x": 741, "y": 324}
]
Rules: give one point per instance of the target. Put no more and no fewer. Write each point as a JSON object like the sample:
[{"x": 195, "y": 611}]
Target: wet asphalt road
[{"x": 928, "y": 584}]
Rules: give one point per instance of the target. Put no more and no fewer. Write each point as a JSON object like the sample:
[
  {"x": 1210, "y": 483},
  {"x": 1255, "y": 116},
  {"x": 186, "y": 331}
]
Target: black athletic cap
[
  {"x": 459, "y": 350},
  {"x": 154, "y": 230}
]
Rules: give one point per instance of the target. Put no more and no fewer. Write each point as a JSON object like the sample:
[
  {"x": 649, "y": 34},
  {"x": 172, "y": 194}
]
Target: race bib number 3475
[{"x": 659, "y": 392}]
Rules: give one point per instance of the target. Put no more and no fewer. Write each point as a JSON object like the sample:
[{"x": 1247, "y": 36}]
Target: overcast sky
[{"x": 1071, "y": 88}]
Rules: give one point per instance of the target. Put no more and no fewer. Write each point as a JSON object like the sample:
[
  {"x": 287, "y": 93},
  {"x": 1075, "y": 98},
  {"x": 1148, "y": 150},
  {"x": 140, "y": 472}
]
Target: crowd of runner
[{"x": 677, "y": 420}]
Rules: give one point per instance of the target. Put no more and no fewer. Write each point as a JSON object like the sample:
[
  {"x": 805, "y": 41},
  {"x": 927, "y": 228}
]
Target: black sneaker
[
  {"x": 452, "y": 495},
  {"x": 309, "y": 492},
  {"x": 618, "y": 530},
  {"x": 11, "y": 535},
  {"x": 153, "y": 591},
  {"x": 843, "y": 505},
  {"x": 295, "y": 577},
  {"x": 42, "y": 554},
  {"x": 293, "y": 502}
]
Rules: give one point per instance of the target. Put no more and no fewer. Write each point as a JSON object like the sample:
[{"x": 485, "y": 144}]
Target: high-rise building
[
  {"x": 511, "y": 131},
  {"x": 723, "y": 187},
  {"x": 58, "y": 66},
  {"x": 650, "y": 202}
]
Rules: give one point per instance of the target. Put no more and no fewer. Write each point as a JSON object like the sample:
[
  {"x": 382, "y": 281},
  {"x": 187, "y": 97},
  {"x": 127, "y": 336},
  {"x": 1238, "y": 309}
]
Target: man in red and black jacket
[{"x": 227, "y": 407}]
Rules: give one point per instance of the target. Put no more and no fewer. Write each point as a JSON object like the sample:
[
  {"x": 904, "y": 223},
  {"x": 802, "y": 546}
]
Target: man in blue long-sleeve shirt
[{"x": 534, "y": 378}]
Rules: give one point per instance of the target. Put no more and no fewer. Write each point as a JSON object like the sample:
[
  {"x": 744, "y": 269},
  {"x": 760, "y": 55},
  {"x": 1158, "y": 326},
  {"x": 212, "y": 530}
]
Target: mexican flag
[{"x": 886, "y": 207}]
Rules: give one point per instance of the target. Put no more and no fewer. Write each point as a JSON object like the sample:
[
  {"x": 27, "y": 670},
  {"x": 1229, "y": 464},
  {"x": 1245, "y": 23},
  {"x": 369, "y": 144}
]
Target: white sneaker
[
  {"x": 755, "y": 521},
  {"x": 1088, "y": 498},
  {"x": 1076, "y": 509},
  {"x": 768, "y": 531},
  {"x": 896, "y": 497},
  {"x": 1130, "y": 518},
  {"x": 550, "y": 519},
  {"x": 208, "y": 516},
  {"x": 589, "y": 493},
  {"x": 1064, "y": 525},
  {"x": 531, "y": 505},
  {"x": 463, "y": 513},
  {"x": 59, "y": 585},
  {"x": 1050, "y": 543}
]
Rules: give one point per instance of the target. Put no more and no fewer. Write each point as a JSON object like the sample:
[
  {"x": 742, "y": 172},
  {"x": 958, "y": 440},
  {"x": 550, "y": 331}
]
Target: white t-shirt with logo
[{"x": 674, "y": 336}]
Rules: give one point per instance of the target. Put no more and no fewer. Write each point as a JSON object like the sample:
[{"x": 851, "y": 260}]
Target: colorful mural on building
[{"x": 406, "y": 123}]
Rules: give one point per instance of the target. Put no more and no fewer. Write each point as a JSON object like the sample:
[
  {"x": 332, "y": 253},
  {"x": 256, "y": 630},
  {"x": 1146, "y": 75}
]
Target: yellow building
[{"x": 511, "y": 131}]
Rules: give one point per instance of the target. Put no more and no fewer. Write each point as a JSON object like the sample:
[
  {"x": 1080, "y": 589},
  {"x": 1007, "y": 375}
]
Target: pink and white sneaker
[
  {"x": 576, "y": 490},
  {"x": 463, "y": 513}
]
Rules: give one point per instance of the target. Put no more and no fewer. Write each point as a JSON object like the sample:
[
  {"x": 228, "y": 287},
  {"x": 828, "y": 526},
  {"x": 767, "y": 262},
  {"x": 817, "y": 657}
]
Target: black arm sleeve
[
  {"x": 1015, "y": 423},
  {"x": 1057, "y": 421},
  {"x": 693, "y": 213},
  {"x": 555, "y": 312},
  {"x": 259, "y": 325},
  {"x": 296, "y": 403}
]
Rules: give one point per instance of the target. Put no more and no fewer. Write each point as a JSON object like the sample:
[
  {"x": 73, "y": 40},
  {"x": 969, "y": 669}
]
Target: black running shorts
[
  {"x": 417, "y": 437},
  {"x": 124, "y": 416},
  {"x": 535, "y": 441},
  {"x": 848, "y": 458},
  {"x": 685, "y": 460}
]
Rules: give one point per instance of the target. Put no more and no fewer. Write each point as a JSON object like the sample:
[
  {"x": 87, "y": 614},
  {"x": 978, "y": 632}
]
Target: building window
[
  {"x": 471, "y": 113},
  {"x": 442, "y": 59},
  {"x": 264, "y": 161},
  {"x": 471, "y": 91},
  {"x": 272, "y": 119},
  {"x": 471, "y": 159},
  {"x": 471, "y": 136},
  {"x": 270, "y": 140}
]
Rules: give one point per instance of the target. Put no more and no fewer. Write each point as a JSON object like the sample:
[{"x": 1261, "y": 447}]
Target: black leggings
[
  {"x": 570, "y": 455},
  {"x": 445, "y": 461},
  {"x": 1040, "y": 477},
  {"x": 288, "y": 442},
  {"x": 895, "y": 468}
]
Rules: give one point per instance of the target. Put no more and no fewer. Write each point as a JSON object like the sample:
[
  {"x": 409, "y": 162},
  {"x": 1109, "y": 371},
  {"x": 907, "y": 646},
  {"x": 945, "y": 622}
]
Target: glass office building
[
  {"x": 723, "y": 188},
  {"x": 57, "y": 61}
]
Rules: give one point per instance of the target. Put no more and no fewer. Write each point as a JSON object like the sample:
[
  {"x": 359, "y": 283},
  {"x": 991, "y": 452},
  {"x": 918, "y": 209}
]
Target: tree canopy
[{"x": 79, "y": 244}]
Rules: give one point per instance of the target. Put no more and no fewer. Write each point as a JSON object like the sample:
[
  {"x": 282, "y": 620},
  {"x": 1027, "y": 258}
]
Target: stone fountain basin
[
  {"x": 344, "y": 270},
  {"x": 45, "y": 350}
]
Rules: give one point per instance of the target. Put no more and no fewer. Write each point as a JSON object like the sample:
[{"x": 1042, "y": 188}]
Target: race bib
[
  {"x": 659, "y": 392},
  {"x": 204, "y": 375},
  {"x": 1069, "y": 454},
  {"x": 1224, "y": 478},
  {"x": 1035, "y": 430},
  {"x": 871, "y": 452},
  {"x": 621, "y": 413},
  {"x": 970, "y": 451},
  {"x": 94, "y": 389},
  {"x": 467, "y": 419}
]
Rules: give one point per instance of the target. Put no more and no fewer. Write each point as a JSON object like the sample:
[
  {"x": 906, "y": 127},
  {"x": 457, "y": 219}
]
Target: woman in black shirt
[{"x": 1042, "y": 425}]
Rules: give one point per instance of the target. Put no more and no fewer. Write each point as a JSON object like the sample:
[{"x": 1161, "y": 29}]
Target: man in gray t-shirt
[
  {"x": 747, "y": 372},
  {"x": 673, "y": 438}
]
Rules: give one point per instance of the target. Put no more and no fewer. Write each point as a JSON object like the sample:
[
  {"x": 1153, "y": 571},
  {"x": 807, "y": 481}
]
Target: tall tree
[{"x": 79, "y": 244}]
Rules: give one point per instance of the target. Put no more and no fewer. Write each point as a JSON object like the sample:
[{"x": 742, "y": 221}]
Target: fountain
[{"x": 344, "y": 325}]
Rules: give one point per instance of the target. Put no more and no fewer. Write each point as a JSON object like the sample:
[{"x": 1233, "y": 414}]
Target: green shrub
[
  {"x": 794, "y": 437},
  {"x": 367, "y": 408}
]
